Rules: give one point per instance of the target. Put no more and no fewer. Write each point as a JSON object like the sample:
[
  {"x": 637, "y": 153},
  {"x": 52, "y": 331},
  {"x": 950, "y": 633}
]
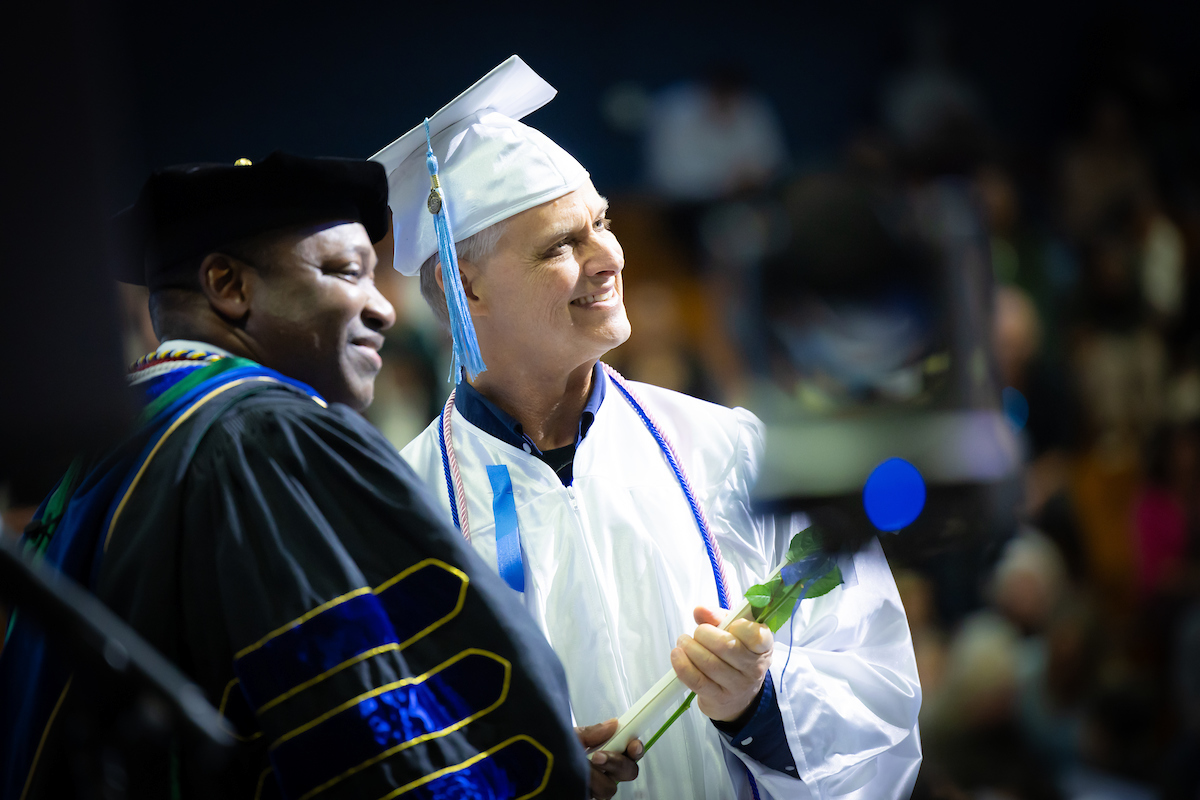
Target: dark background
[{"x": 224, "y": 80}]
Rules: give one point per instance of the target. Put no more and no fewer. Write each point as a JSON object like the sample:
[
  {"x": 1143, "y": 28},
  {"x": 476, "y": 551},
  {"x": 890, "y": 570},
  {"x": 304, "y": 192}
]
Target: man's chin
[
  {"x": 622, "y": 336},
  {"x": 357, "y": 393},
  {"x": 616, "y": 335},
  {"x": 357, "y": 383},
  {"x": 361, "y": 397},
  {"x": 607, "y": 341}
]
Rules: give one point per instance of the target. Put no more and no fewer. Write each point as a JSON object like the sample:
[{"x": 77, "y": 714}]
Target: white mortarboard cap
[{"x": 490, "y": 165}]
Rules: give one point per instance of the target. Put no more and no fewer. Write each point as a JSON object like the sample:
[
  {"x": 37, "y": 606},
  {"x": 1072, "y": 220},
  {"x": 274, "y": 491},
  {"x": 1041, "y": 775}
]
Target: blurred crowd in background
[
  {"x": 1072, "y": 667},
  {"x": 1059, "y": 647}
]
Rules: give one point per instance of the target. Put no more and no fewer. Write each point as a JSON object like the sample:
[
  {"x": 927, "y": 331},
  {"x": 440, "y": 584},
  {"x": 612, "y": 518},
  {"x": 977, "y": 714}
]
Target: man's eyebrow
[
  {"x": 366, "y": 253},
  {"x": 361, "y": 252},
  {"x": 553, "y": 235},
  {"x": 563, "y": 231}
]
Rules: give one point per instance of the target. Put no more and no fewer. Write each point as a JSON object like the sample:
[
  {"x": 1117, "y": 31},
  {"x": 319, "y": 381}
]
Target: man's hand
[
  {"x": 724, "y": 668},
  {"x": 608, "y": 769}
]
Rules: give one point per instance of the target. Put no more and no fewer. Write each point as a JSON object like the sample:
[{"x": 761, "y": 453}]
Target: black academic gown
[{"x": 285, "y": 556}]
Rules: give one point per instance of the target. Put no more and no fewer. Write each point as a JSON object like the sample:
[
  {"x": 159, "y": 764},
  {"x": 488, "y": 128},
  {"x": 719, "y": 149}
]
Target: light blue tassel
[{"x": 465, "y": 353}]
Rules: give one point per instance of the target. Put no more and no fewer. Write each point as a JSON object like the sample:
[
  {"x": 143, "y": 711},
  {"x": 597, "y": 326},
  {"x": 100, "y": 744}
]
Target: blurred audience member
[
  {"x": 1102, "y": 168},
  {"x": 1162, "y": 275},
  {"x": 1038, "y": 399},
  {"x": 1116, "y": 747},
  {"x": 712, "y": 146},
  {"x": 1023, "y": 255},
  {"x": 713, "y": 138},
  {"x": 1029, "y": 582},
  {"x": 1166, "y": 509},
  {"x": 971, "y": 728},
  {"x": 1059, "y": 668},
  {"x": 933, "y": 112}
]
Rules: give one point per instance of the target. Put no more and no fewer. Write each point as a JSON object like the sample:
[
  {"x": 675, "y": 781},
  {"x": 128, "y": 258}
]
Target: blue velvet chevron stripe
[
  {"x": 337, "y": 634},
  {"x": 388, "y": 720},
  {"x": 422, "y": 598},
  {"x": 349, "y": 629}
]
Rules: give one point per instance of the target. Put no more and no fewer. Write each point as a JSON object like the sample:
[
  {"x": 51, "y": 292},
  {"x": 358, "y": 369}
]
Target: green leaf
[
  {"x": 780, "y": 611},
  {"x": 826, "y": 583},
  {"x": 783, "y": 604},
  {"x": 803, "y": 543},
  {"x": 760, "y": 594}
]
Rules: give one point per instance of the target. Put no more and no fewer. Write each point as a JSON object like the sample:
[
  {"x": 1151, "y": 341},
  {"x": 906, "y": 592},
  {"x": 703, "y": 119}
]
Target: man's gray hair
[{"x": 476, "y": 249}]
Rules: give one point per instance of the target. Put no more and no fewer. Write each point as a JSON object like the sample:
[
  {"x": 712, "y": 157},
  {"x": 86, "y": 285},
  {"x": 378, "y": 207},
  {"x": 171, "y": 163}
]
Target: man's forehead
[
  {"x": 567, "y": 213},
  {"x": 331, "y": 237}
]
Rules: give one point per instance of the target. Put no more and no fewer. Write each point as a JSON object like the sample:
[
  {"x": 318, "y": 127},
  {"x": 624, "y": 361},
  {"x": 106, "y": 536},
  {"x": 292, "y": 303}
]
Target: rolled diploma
[{"x": 648, "y": 714}]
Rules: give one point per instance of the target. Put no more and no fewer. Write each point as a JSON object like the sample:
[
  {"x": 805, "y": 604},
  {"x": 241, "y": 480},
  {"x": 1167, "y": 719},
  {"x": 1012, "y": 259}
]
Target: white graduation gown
[{"x": 615, "y": 564}]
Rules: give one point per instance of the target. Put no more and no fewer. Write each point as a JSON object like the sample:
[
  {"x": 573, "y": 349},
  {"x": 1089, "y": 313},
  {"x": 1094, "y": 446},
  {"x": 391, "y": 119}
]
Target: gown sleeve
[
  {"x": 372, "y": 653},
  {"x": 850, "y": 694}
]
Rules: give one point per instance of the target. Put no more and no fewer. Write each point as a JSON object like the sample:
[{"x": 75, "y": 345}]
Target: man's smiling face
[
  {"x": 551, "y": 292},
  {"x": 316, "y": 315}
]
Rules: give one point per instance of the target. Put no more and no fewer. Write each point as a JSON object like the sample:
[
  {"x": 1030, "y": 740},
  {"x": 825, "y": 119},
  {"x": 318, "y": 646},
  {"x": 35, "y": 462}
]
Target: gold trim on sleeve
[
  {"x": 262, "y": 779},
  {"x": 300, "y": 620},
  {"x": 408, "y": 787},
  {"x": 37, "y": 754},
  {"x": 363, "y": 656},
  {"x": 142, "y": 470},
  {"x": 462, "y": 595},
  {"x": 225, "y": 697},
  {"x": 227, "y": 723}
]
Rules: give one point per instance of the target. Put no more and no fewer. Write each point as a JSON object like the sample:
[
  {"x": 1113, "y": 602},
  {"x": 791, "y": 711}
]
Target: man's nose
[
  {"x": 379, "y": 314},
  {"x": 605, "y": 256}
]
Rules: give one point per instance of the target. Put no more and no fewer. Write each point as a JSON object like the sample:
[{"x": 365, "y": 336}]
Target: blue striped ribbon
[{"x": 508, "y": 534}]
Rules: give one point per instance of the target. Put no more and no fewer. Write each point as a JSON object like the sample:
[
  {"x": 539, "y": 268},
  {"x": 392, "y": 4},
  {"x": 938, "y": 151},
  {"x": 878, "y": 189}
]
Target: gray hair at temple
[{"x": 476, "y": 249}]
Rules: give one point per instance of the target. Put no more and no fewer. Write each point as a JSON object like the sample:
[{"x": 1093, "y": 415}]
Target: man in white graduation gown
[{"x": 620, "y": 512}]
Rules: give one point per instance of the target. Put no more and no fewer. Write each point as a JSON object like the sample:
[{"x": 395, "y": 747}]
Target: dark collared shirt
[{"x": 498, "y": 423}]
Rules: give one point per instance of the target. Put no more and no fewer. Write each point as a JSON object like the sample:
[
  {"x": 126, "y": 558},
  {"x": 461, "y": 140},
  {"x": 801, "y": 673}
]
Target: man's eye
[
  {"x": 602, "y": 224},
  {"x": 349, "y": 272}
]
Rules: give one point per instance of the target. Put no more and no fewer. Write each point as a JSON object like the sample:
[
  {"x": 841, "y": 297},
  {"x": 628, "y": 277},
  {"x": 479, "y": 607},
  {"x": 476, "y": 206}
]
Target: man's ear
[
  {"x": 469, "y": 274},
  {"x": 223, "y": 279},
  {"x": 385, "y": 249}
]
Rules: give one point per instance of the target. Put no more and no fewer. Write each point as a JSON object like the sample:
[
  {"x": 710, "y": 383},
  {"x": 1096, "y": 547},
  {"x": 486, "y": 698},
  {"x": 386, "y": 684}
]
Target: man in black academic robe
[{"x": 268, "y": 540}]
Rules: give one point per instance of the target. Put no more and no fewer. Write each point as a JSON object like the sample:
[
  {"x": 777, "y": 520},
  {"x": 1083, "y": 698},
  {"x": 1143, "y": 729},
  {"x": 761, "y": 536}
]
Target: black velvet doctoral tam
[{"x": 186, "y": 211}]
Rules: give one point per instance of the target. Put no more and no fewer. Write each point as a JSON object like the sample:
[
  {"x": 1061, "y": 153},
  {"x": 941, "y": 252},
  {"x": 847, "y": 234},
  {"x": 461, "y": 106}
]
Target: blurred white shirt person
[
  {"x": 620, "y": 512},
  {"x": 706, "y": 140}
]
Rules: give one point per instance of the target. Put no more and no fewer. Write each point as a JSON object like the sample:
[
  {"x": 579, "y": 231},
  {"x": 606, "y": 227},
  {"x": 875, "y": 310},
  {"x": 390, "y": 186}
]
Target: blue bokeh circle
[
  {"x": 1016, "y": 407},
  {"x": 894, "y": 495}
]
